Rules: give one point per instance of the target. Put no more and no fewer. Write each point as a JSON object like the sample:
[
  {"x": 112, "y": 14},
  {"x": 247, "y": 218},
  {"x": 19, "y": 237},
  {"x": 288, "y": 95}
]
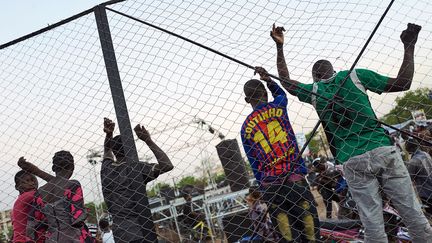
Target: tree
[
  {"x": 186, "y": 181},
  {"x": 91, "y": 209},
  {"x": 219, "y": 178},
  {"x": 162, "y": 185},
  {"x": 314, "y": 144},
  {"x": 154, "y": 191},
  {"x": 412, "y": 100},
  {"x": 248, "y": 168},
  {"x": 192, "y": 181},
  {"x": 319, "y": 144},
  {"x": 3, "y": 237},
  {"x": 103, "y": 207}
]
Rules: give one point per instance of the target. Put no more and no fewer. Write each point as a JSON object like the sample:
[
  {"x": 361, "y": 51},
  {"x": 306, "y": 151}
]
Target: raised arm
[
  {"x": 271, "y": 84},
  {"x": 108, "y": 129},
  {"x": 164, "y": 163},
  {"x": 406, "y": 72},
  {"x": 290, "y": 85},
  {"x": 33, "y": 169}
]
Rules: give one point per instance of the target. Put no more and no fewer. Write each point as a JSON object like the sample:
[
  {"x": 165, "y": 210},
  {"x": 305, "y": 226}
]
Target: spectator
[
  {"x": 26, "y": 184},
  {"x": 191, "y": 218},
  {"x": 107, "y": 235},
  {"x": 331, "y": 185},
  {"x": 260, "y": 217},
  {"x": 356, "y": 138},
  {"x": 420, "y": 169},
  {"x": 132, "y": 220},
  {"x": 311, "y": 176},
  {"x": 423, "y": 132},
  {"x": 58, "y": 206},
  {"x": 271, "y": 147}
]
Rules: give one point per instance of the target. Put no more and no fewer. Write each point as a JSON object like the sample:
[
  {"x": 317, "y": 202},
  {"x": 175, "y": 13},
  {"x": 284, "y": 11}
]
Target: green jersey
[{"x": 352, "y": 131}]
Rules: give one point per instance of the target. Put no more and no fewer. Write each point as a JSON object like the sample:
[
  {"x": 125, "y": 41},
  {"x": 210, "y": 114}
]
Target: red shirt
[{"x": 20, "y": 212}]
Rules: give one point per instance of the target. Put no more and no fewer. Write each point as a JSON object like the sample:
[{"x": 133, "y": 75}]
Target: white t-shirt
[{"x": 108, "y": 237}]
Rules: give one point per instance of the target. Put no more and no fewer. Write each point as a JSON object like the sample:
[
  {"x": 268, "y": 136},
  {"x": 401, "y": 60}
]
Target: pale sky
[
  {"x": 55, "y": 91},
  {"x": 21, "y": 17}
]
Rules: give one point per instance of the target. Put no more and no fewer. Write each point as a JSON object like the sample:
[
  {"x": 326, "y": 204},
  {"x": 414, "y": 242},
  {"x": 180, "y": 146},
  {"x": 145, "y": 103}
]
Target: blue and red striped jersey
[{"x": 269, "y": 140}]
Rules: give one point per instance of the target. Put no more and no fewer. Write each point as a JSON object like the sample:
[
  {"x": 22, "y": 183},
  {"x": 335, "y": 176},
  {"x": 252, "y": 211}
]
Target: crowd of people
[
  {"x": 372, "y": 165},
  {"x": 55, "y": 212},
  {"x": 283, "y": 208}
]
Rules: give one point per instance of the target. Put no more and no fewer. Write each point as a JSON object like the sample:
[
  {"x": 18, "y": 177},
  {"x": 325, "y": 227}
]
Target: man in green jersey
[{"x": 357, "y": 139}]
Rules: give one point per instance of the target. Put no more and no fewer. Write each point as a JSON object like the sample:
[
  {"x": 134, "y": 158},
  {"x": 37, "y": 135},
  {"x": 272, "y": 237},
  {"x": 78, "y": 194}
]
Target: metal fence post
[
  {"x": 123, "y": 121},
  {"x": 115, "y": 83}
]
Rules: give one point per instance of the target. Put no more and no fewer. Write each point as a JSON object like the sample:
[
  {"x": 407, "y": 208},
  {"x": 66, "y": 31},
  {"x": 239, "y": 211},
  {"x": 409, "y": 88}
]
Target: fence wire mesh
[{"x": 56, "y": 94}]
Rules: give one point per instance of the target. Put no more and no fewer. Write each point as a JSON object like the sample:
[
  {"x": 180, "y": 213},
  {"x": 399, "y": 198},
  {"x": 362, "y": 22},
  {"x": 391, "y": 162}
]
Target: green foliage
[
  {"x": 412, "y": 100},
  {"x": 91, "y": 208},
  {"x": 192, "y": 181},
  {"x": 104, "y": 207},
  {"x": 314, "y": 144},
  {"x": 162, "y": 185},
  {"x": 319, "y": 144},
  {"x": 154, "y": 191},
  {"x": 91, "y": 217},
  {"x": 9, "y": 235},
  {"x": 185, "y": 181},
  {"x": 248, "y": 168},
  {"x": 219, "y": 178}
]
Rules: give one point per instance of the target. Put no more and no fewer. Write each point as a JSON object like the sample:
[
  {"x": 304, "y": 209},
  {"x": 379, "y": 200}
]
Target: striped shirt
[{"x": 269, "y": 140}]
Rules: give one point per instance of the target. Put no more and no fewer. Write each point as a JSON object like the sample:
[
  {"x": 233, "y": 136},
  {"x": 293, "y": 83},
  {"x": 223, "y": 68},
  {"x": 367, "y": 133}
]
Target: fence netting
[{"x": 55, "y": 94}]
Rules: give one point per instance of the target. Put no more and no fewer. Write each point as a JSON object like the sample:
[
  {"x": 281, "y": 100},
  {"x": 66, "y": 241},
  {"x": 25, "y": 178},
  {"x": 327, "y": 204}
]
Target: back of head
[
  {"x": 103, "y": 224},
  {"x": 316, "y": 162},
  {"x": 322, "y": 69},
  {"x": 186, "y": 192},
  {"x": 411, "y": 145},
  {"x": 187, "y": 196},
  {"x": 117, "y": 146},
  {"x": 319, "y": 164},
  {"x": 254, "y": 195},
  {"x": 63, "y": 161},
  {"x": 254, "y": 90}
]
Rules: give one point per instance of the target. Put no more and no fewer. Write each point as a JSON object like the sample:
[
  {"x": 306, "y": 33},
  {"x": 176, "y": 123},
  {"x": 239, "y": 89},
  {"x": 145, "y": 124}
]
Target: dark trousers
[
  {"x": 328, "y": 196},
  {"x": 293, "y": 212},
  {"x": 427, "y": 202}
]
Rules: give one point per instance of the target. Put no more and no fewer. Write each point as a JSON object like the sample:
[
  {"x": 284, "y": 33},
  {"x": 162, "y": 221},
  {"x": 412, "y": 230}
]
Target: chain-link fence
[{"x": 211, "y": 167}]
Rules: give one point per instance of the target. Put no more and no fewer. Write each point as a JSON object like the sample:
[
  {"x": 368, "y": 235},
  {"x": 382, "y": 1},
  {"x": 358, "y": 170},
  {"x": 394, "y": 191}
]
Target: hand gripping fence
[{"x": 119, "y": 99}]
